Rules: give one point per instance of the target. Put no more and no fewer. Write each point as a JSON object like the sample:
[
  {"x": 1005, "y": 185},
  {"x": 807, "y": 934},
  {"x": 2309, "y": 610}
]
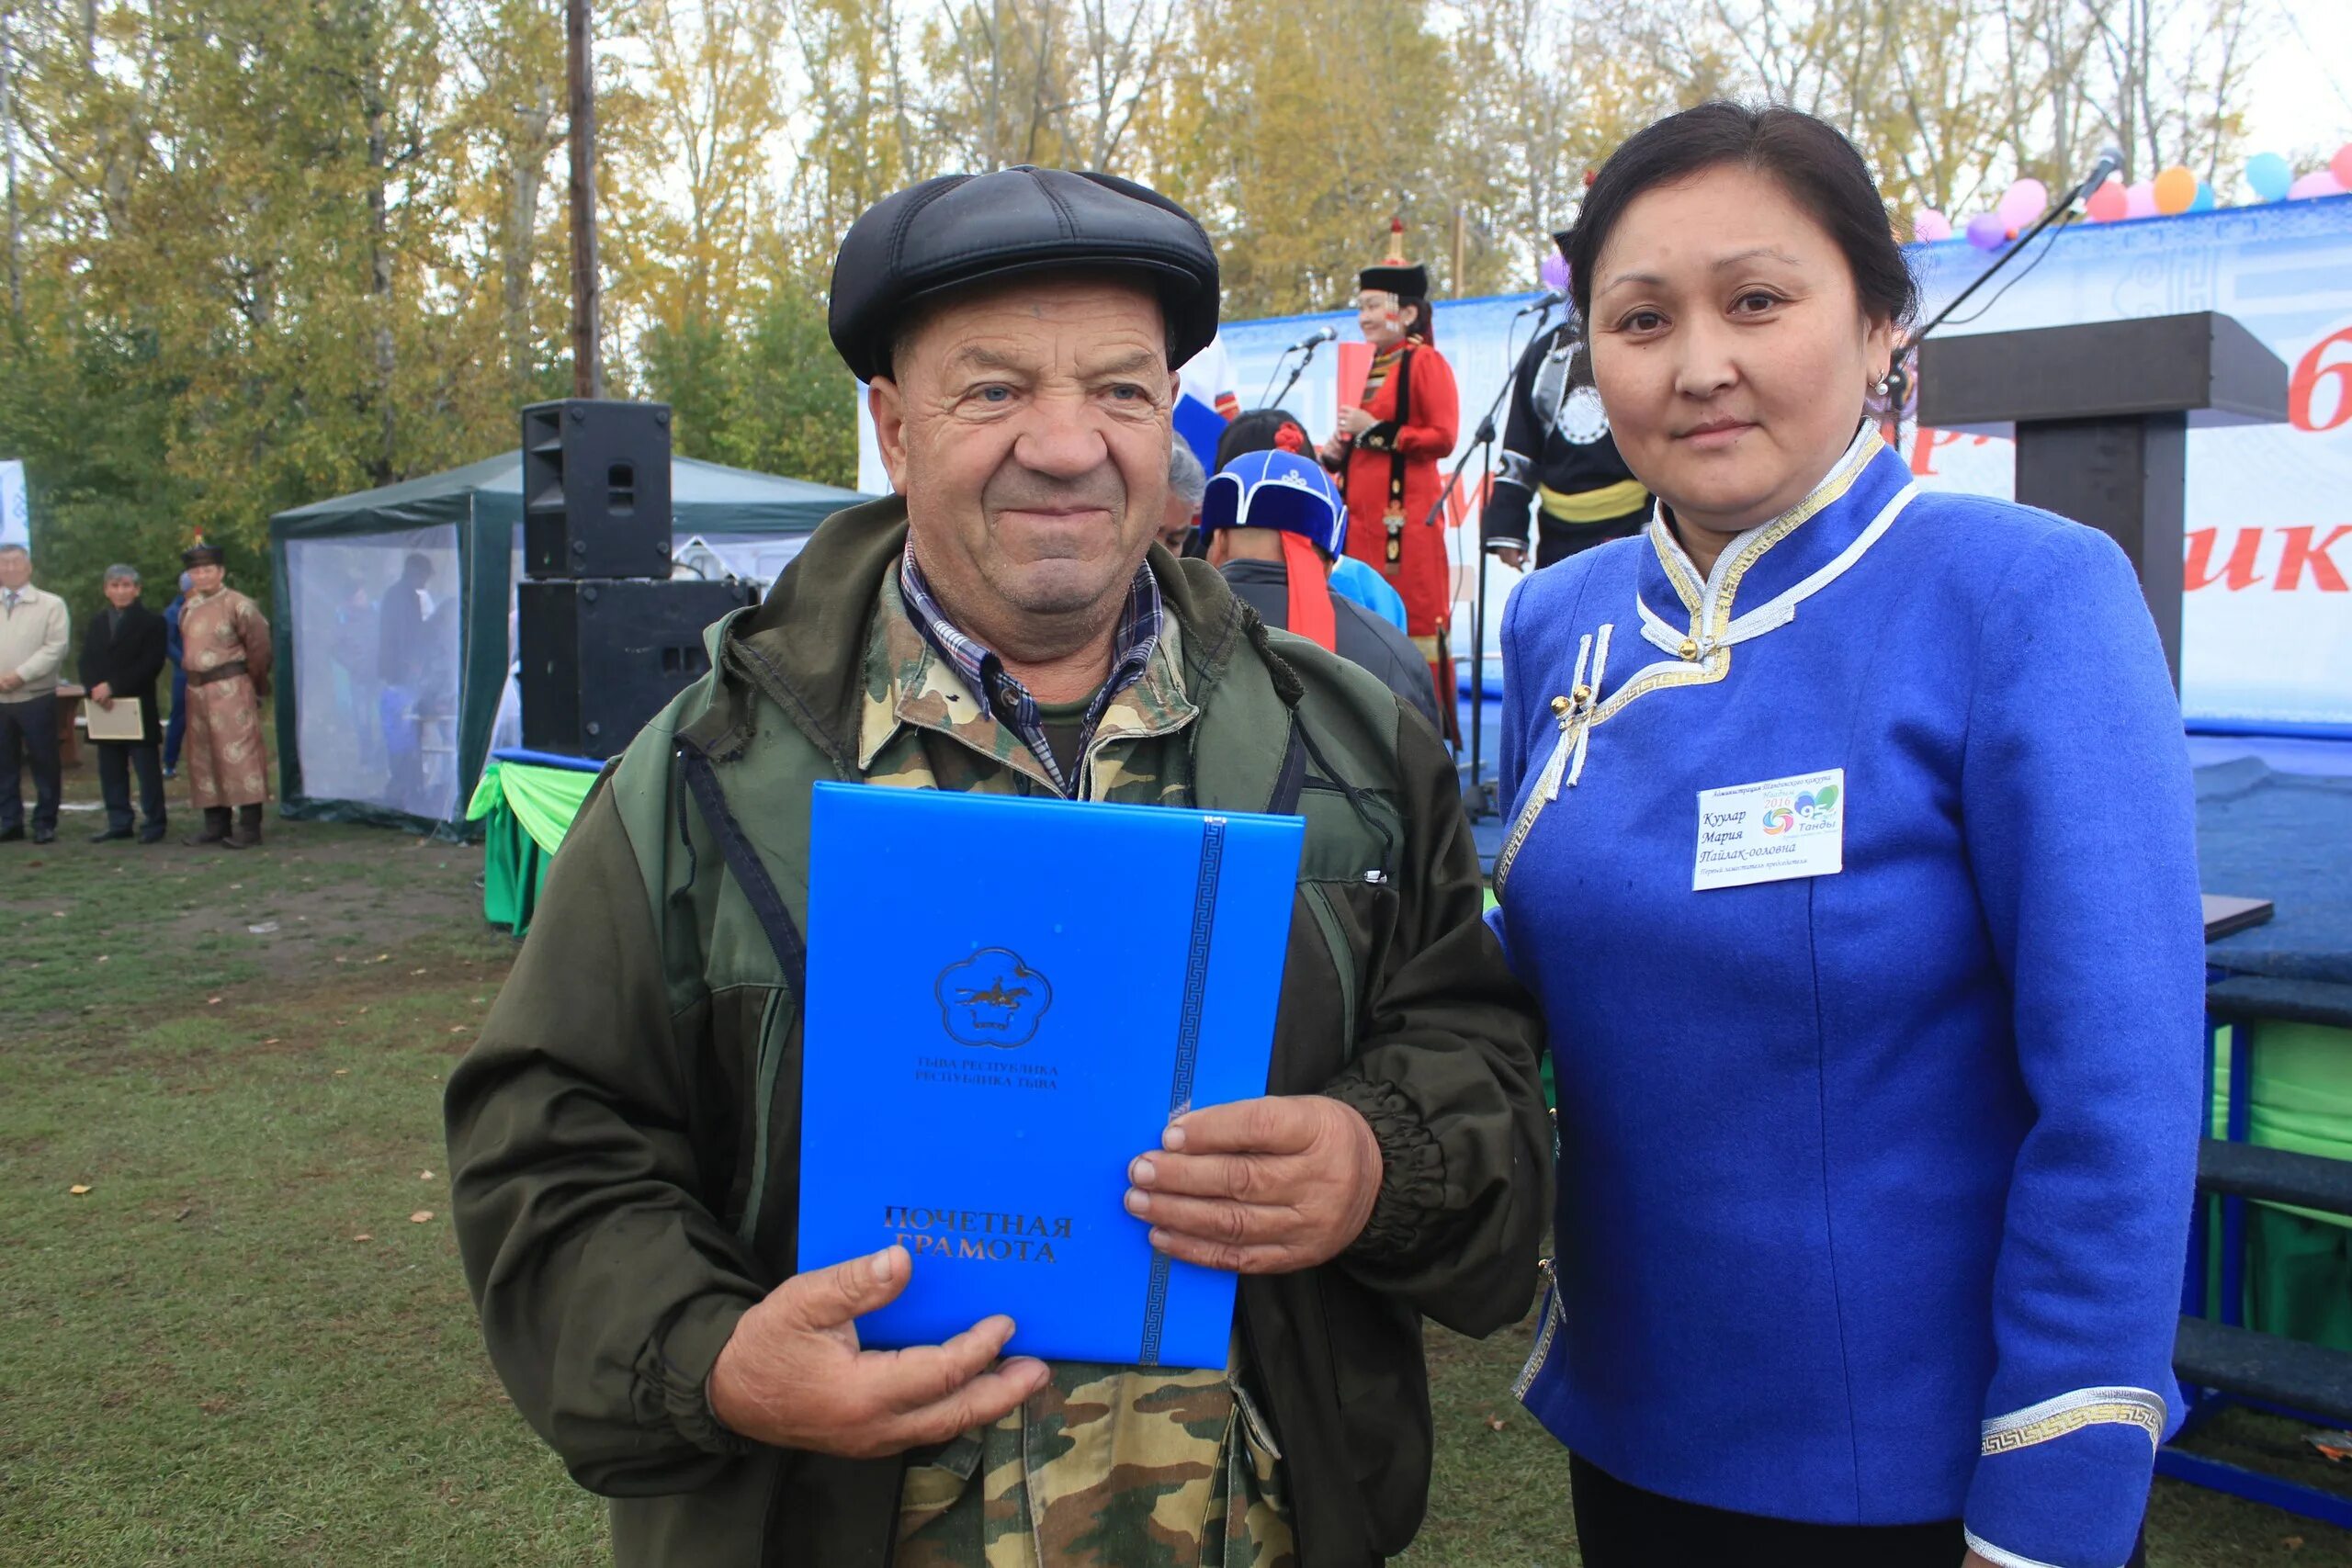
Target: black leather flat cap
[{"x": 964, "y": 228}]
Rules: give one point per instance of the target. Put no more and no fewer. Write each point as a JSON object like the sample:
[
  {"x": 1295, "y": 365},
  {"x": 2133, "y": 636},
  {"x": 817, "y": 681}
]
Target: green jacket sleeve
[
  {"x": 1446, "y": 1069},
  {"x": 606, "y": 1286}
]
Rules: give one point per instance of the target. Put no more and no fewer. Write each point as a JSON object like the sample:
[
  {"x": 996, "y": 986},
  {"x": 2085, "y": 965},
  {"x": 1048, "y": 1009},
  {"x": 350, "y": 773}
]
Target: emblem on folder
[{"x": 992, "y": 998}]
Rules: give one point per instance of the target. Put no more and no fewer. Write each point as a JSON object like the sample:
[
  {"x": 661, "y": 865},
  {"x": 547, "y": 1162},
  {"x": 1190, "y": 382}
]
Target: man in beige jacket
[{"x": 34, "y": 627}]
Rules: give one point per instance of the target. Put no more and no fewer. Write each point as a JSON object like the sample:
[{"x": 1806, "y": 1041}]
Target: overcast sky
[{"x": 2303, "y": 80}]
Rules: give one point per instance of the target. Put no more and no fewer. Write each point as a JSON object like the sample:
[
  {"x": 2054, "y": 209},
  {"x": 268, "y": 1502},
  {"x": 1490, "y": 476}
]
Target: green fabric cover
[
  {"x": 2299, "y": 1261},
  {"x": 525, "y": 811}
]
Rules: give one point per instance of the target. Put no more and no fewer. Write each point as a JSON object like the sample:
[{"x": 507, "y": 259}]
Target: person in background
[
  {"x": 1185, "y": 481},
  {"x": 122, "y": 655},
  {"x": 1559, "y": 460},
  {"x": 176, "y": 728},
  {"x": 403, "y": 655},
  {"x": 227, "y": 639},
  {"x": 1262, "y": 429},
  {"x": 1853, "y": 859},
  {"x": 1274, "y": 523},
  {"x": 34, "y": 630},
  {"x": 1386, "y": 452}
]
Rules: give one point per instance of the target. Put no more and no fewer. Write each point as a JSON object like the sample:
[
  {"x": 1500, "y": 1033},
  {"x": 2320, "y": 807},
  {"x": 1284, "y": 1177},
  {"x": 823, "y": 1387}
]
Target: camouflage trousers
[{"x": 1105, "y": 1467}]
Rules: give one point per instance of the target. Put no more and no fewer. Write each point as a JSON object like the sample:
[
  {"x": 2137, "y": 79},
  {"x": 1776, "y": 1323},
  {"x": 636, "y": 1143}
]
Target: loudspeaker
[
  {"x": 601, "y": 657},
  {"x": 595, "y": 488}
]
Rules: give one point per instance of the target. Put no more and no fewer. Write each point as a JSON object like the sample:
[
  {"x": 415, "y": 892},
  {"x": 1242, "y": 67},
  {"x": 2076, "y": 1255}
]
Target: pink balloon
[
  {"x": 2341, "y": 165},
  {"x": 2107, "y": 204},
  {"x": 2319, "y": 182},
  {"x": 1931, "y": 226},
  {"x": 2140, "y": 200},
  {"x": 1986, "y": 231},
  {"x": 2023, "y": 202}
]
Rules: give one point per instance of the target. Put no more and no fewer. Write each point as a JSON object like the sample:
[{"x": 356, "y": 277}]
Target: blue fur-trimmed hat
[{"x": 1277, "y": 490}]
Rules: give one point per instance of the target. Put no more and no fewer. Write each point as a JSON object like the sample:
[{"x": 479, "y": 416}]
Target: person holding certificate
[
  {"x": 625, "y": 1136},
  {"x": 1851, "y": 859},
  {"x": 122, "y": 657}
]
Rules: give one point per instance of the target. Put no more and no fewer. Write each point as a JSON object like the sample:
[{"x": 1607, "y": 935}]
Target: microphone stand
[
  {"x": 1295, "y": 371},
  {"x": 1899, "y": 376},
  {"x": 1475, "y": 801}
]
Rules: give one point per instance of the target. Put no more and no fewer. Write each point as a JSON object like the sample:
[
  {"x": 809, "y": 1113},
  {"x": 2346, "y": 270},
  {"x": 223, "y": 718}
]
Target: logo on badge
[
  {"x": 1778, "y": 819},
  {"x": 1817, "y": 809},
  {"x": 992, "y": 998}
]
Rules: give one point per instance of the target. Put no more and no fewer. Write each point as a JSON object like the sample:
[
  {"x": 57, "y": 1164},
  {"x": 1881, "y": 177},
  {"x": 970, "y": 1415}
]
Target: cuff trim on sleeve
[
  {"x": 679, "y": 1365},
  {"x": 1998, "y": 1558},
  {"x": 2071, "y": 1413},
  {"x": 1412, "y": 1173}
]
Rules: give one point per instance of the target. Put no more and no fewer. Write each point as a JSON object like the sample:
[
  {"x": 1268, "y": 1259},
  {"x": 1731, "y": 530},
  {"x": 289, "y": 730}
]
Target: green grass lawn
[{"x": 240, "y": 1345}]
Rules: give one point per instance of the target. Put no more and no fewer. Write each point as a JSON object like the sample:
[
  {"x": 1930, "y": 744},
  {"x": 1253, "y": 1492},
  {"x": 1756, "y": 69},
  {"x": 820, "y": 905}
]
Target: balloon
[
  {"x": 2176, "y": 188},
  {"x": 1555, "y": 272},
  {"x": 2319, "y": 182},
  {"x": 2206, "y": 201},
  {"x": 1986, "y": 231},
  {"x": 2140, "y": 200},
  {"x": 2268, "y": 175},
  {"x": 2023, "y": 202},
  {"x": 2341, "y": 165},
  {"x": 1931, "y": 226},
  {"x": 2106, "y": 204}
]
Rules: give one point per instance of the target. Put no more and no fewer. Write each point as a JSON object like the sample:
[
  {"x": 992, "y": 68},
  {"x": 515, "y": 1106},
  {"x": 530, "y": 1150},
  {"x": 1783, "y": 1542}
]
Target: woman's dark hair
[
  {"x": 1260, "y": 429},
  {"x": 1818, "y": 167}
]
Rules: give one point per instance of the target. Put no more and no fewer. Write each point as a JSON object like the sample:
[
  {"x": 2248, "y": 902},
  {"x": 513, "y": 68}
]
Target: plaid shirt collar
[{"x": 1131, "y": 644}]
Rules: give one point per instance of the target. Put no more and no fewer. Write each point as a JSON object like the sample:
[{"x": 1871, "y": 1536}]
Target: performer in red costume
[{"x": 1390, "y": 441}]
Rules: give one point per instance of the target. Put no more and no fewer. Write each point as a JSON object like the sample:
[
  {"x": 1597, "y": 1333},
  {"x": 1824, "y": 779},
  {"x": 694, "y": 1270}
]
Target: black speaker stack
[{"x": 608, "y": 635}]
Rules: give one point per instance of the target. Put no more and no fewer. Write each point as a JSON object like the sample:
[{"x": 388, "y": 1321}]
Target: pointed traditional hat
[{"x": 1394, "y": 276}]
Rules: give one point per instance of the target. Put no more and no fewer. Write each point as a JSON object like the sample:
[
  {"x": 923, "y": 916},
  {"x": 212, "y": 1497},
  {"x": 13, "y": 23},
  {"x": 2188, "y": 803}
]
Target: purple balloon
[
  {"x": 1986, "y": 231},
  {"x": 1555, "y": 272}
]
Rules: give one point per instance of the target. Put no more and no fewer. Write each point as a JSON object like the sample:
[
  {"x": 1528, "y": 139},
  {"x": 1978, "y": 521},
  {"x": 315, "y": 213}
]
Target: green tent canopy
[{"x": 395, "y": 624}]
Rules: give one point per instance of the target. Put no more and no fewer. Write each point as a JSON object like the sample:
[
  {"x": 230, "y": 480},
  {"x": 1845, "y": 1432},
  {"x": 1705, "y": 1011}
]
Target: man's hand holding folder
[
  {"x": 1266, "y": 1186},
  {"x": 793, "y": 1373}
]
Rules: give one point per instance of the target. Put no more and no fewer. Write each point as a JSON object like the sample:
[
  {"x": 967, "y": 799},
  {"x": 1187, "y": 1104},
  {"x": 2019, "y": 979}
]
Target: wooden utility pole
[{"x": 587, "y": 296}]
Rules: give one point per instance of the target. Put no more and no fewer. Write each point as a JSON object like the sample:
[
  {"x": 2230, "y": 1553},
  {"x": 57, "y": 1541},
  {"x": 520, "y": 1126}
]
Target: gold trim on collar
[{"x": 1705, "y": 662}]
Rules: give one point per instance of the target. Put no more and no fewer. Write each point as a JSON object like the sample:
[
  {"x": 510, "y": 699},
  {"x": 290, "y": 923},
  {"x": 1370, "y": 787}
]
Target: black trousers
[
  {"x": 29, "y": 731},
  {"x": 116, "y": 761},
  {"x": 1555, "y": 540},
  {"x": 1621, "y": 1526}
]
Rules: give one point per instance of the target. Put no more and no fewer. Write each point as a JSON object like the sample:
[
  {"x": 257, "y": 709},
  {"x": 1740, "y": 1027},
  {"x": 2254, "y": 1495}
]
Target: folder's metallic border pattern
[{"x": 1188, "y": 1050}]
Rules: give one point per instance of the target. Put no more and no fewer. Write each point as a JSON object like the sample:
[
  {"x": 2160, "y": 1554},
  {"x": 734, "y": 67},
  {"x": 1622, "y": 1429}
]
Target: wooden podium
[{"x": 2101, "y": 414}]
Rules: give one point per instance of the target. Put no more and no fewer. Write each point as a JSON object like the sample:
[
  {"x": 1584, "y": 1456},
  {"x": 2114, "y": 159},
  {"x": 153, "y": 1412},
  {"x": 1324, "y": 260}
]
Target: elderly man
[
  {"x": 625, "y": 1135},
  {"x": 122, "y": 657},
  {"x": 1187, "y": 482},
  {"x": 34, "y": 629}
]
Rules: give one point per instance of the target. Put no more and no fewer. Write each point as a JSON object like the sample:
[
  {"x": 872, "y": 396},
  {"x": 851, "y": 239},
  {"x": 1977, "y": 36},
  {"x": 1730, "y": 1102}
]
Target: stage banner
[
  {"x": 2267, "y": 637},
  {"x": 15, "y": 515}
]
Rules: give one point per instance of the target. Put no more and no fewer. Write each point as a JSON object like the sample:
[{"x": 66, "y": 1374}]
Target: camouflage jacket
[{"x": 625, "y": 1135}]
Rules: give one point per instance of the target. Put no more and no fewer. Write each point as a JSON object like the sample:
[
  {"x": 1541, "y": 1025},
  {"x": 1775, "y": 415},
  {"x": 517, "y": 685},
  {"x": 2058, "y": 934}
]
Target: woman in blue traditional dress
[{"x": 1852, "y": 860}]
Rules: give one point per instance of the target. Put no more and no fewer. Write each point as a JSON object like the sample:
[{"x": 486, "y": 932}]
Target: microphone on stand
[
  {"x": 1307, "y": 346},
  {"x": 1550, "y": 300},
  {"x": 2110, "y": 158}
]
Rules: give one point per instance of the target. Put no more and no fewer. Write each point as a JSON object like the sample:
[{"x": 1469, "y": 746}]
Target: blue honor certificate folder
[{"x": 1008, "y": 1000}]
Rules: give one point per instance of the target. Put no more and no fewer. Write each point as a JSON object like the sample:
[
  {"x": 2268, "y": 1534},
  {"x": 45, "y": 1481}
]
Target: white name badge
[{"x": 1772, "y": 832}]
